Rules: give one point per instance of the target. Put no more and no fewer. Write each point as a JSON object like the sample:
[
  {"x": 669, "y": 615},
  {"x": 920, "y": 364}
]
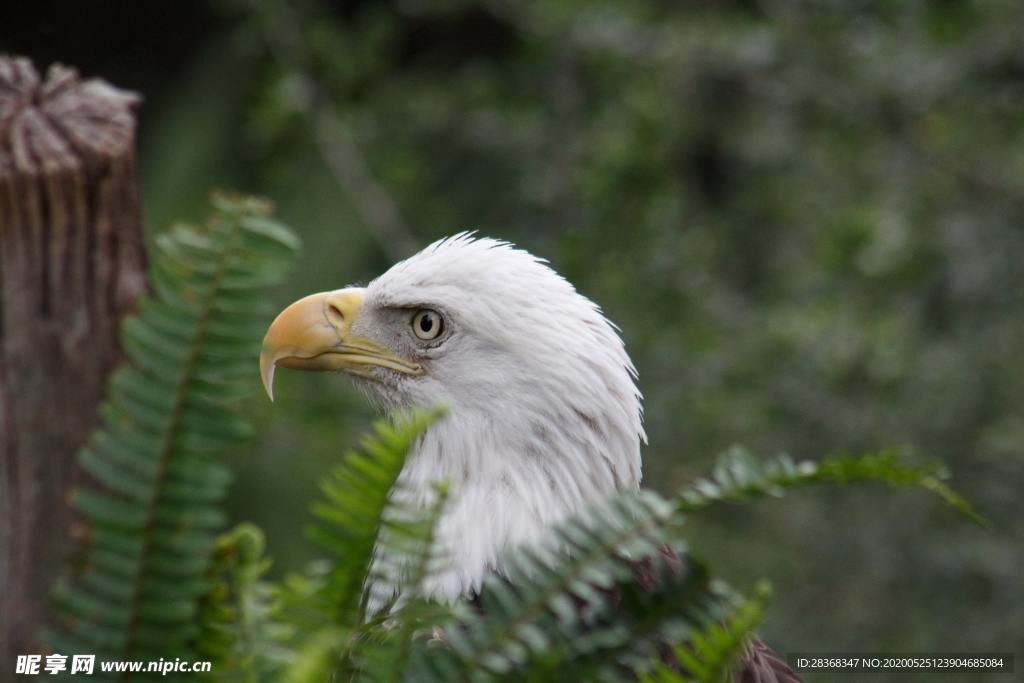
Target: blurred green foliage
[{"x": 805, "y": 216}]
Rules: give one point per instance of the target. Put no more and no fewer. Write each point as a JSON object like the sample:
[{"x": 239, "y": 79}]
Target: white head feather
[{"x": 543, "y": 417}]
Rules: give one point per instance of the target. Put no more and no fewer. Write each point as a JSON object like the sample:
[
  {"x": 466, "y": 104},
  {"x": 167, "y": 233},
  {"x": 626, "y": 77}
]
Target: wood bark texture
[{"x": 72, "y": 263}]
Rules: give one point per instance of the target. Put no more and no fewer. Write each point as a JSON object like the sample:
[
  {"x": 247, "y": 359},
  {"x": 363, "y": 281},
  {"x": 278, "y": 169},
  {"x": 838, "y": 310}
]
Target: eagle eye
[{"x": 427, "y": 324}]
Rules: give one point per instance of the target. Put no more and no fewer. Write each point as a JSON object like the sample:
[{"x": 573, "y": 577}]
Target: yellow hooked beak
[{"x": 315, "y": 333}]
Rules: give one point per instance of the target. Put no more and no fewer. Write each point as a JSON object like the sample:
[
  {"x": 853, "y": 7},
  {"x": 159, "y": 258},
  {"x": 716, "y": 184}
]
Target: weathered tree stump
[{"x": 71, "y": 265}]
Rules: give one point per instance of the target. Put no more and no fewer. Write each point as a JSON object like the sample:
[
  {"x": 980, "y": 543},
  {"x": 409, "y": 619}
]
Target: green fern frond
[
  {"x": 711, "y": 654},
  {"x": 550, "y": 616},
  {"x": 154, "y": 514},
  {"x": 554, "y": 594},
  {"x": 356, "y": 497},
  {"x": 739, "y": 477},
  {"x": 407, "y": 557},
  {"x": 379, "y": 649},
  {"x": 635, "y": 628},
  {"x": 243, "y": 634}
]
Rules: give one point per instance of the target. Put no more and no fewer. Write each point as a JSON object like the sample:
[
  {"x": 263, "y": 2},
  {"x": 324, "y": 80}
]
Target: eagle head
[{"x": 543, "y": 414}]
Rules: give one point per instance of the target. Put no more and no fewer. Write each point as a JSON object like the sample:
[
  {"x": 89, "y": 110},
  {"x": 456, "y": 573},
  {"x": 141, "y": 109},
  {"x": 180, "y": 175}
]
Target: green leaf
[
  {"x": 738, "y": 476},
  {"x": 172, "y": 407},
  {"x": 356, "y": 496}
]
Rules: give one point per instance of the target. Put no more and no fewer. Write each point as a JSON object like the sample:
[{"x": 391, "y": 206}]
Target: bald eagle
[{"x": 544, "y": 416}]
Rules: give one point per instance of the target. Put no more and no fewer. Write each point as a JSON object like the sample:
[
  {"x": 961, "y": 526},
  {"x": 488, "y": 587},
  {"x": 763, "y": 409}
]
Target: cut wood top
[{"x": 61, "y": 123}]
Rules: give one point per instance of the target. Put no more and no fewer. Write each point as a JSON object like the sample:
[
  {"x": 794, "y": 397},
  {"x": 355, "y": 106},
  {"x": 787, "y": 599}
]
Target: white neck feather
[{"x": 510, "y": 480}]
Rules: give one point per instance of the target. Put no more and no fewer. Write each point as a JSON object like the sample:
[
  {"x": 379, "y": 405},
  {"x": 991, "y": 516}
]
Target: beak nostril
[{"x": 334, "y": 312}]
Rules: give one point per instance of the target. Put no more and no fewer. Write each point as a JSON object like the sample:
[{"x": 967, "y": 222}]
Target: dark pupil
[{"x": 427, "y": 323}]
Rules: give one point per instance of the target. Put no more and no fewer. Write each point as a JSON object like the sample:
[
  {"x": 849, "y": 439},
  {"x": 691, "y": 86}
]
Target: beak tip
[{"x": 267, "y": 375}]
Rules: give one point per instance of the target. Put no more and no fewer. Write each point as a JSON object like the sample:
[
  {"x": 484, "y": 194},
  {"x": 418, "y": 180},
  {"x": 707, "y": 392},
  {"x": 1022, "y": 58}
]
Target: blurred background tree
[{"x": 806, "y": 218}]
